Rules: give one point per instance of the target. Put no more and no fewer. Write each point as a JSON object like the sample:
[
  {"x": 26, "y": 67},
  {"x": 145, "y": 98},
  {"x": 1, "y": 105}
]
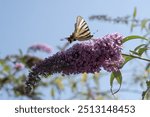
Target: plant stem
[{"x": 137, "y": 57}]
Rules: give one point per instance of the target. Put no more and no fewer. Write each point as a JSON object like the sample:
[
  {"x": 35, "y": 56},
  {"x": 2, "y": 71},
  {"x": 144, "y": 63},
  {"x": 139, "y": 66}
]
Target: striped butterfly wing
[{"x": 82, "y": 31}]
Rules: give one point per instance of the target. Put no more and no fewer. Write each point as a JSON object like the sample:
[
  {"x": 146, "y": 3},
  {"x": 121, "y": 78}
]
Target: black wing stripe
[
  {"x": 84, "y": 31},
  {"x": 85, "y": 35},
  {"x": 83, "y": 25}
]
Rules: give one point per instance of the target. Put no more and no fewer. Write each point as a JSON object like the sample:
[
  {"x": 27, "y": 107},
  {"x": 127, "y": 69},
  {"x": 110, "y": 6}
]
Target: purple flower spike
[{"x": 86, "y": 57}]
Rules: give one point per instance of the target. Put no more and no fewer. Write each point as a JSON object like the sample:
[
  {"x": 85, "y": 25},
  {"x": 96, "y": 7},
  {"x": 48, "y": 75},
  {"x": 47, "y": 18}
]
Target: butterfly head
[{"x": 71, "y": 39}]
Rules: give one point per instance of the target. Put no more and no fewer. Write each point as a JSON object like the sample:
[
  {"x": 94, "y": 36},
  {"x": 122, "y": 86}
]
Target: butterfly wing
[{"x": 82, "y": 31}]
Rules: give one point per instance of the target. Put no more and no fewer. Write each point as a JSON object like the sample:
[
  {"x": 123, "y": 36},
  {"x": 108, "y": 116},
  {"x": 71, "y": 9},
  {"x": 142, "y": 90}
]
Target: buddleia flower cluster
[
  {"x": 90, "y": 57},
  {"x": 40, "y": 47}
]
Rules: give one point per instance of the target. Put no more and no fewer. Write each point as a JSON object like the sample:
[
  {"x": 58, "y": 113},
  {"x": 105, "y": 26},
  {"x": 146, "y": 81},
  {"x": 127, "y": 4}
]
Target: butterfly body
[
  {"x": 71, "y": 38},
  {"x": 81, "y": 32}
]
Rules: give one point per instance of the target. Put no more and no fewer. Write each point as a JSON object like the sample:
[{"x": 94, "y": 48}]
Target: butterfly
[{"x": 81, "y": 32}]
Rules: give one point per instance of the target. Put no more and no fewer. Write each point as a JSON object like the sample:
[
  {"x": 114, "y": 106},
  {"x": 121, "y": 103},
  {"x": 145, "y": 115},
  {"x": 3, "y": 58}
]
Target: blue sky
[{"x": 25, "y": 22}]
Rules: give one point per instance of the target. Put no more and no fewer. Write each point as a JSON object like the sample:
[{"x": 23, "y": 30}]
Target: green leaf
[
  {"x": 134, "y": 52},
  {"x": 59, "y": 84},
  {"x": 134, "y": 13},
  {"x": 84, "y": 77},
  {"x": 139, "y": 47},
  {"x": 133, "y": 37},
  {"x": 148, "y": 83},
  {"x": 141, "y": 51},
  {"x": 127, "y": 59},
  {"x": 6, "y": 68},
  {"x": 20, "y": 52},
  {"x": 73, "y": 86},
  {"x": 2, "y": 62},
  {"x": 52, "y": 92},
  {"x": 145, "y": 93},
  {"x": 118, "y": 76},
  {"x": 143, "y": 23},
  {"x": 148, "y": 66},
  {"x": 96, "y": 78}
]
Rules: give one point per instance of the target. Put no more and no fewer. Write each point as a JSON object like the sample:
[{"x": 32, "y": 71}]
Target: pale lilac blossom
[
  {"x": 19, "y": 66},
  {"x": 40, "y": 47}
]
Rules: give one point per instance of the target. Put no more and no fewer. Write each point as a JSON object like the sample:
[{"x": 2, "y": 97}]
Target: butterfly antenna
[
  {"x": 63, "y": 39},
  {"x": 95, "y": 32}
]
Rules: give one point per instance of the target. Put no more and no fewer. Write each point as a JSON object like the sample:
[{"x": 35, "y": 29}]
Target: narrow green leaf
[
  {"x": 134, "y": 52},
  {"x": 143, "y": 23},
  {"x": 141, "y": 51},
  {"x": 148, "y": 66},
  {"x": 2, "y": 62},
  {"x": 20, "y": 52},
  {"x": 116, "y": 75},
  {"x": 52, "y": 92},
  {"x": 73, "y": 86},
  {"x": 139, "y": 47},
  {"x": 127, "y": 59},
  {"x": 112, "y": 77},
  {"x": 134, "y": 13},
  {"x": 6, "y": 68},
  {"x": 96, "y": 76},
  {"x": 145, "y": 93},
  {"x": 133, "y": 37},
  {"x": 148, "y": 83},
  {"x": 84, "y": 77}
]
